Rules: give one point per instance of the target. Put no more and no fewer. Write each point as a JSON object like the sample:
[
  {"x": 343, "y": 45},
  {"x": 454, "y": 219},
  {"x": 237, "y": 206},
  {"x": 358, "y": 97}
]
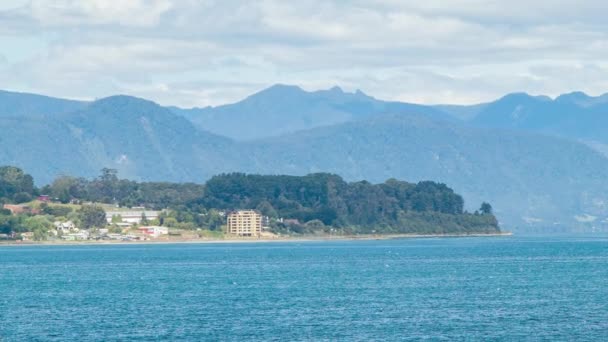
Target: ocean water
[{"x": 486, "y": 289}]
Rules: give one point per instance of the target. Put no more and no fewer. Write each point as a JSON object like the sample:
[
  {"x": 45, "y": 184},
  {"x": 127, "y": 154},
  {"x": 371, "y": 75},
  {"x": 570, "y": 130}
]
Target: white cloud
[
  {"x": 69, "y": 13},
  {"x": 193, "y": 52}
]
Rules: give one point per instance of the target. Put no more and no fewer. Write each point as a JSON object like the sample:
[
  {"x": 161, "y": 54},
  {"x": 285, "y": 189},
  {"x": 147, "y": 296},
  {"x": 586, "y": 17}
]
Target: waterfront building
[
  {"x": 154, "y": 231},
  {"x": 133, "y": 216},
  {"x": 245, "y": 223},
  {"x": 81, "y": 236},
  {"x": 27, "y": 236}
]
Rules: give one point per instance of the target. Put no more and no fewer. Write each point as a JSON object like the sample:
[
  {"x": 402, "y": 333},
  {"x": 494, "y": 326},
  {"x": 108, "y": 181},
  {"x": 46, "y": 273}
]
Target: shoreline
[{"x": 229, "y": 240}]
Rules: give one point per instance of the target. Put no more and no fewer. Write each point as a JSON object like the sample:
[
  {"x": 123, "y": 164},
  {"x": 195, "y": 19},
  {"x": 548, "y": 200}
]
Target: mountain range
[
  {"x": 538, "y": 160},
  {"x": 283, "y": 109},
  {"x": 576, "y": 116}
]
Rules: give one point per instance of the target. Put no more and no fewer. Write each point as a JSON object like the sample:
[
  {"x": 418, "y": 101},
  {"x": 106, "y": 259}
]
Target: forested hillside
[
  {"x": 529, "y": 178},
  {"x": 316, "y": 203},
  {"x": 141, "y": 139},
  {"x": 575, "y": 116},
  {"x": 319, "y": 200},
  {"x": 506, "y": 152},
  {"x": 29, "y": 105}
]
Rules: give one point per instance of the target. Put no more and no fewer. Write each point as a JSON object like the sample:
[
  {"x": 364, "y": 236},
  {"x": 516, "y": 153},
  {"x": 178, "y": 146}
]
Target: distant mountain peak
[
  {"x": 336, "y": 89},
  {"x": 284, "y": 86},
  {"x": 124, "y": 99},
  {"x": 523, "y": 96},
  {"x": 280, "y": 89},
  {"x": 128, "y": 107},
  {"x": 125, "y": 102},
  {"x": 575, "y": 95},
  {"x": 286, "y": 89},
  {"x": 580, "y": 98}
]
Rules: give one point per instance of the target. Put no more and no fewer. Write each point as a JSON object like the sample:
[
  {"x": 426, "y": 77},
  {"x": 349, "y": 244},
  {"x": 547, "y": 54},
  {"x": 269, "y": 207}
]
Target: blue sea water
[{"x": 486, "y": 289}]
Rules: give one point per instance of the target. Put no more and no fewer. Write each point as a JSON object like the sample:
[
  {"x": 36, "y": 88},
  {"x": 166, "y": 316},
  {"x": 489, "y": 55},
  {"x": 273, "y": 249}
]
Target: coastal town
[
  {"x": 133, "y": 224},
  {"x": 228, "y": 207}
]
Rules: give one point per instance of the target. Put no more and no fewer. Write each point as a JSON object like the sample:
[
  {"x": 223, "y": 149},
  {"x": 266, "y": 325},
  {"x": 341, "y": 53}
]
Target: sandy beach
[{"x": 228, "y": 240}]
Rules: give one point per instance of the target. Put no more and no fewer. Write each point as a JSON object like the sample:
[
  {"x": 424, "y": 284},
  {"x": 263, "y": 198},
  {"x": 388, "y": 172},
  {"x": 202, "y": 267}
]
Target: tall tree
[
  {"x": 92, "y": 216},
  {"x": 15, "y": 185},
  {"x": 486, "y": 208}
]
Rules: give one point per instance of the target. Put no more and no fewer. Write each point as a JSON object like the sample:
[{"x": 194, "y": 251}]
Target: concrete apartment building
[{"x": 245, "y": 223}]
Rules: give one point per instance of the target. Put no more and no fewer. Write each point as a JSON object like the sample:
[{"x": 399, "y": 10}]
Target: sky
[{"x": 205, "y": 52}]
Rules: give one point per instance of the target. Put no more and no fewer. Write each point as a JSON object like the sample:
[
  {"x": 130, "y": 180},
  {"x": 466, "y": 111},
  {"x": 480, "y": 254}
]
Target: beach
[{"x": 231, "y": 239}]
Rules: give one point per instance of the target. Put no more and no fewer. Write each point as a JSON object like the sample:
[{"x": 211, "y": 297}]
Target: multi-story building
[{"x": 245, "y": 223}]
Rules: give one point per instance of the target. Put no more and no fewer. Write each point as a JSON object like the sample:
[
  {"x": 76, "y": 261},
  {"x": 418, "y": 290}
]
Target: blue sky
[{"x": 206, "y": 52}]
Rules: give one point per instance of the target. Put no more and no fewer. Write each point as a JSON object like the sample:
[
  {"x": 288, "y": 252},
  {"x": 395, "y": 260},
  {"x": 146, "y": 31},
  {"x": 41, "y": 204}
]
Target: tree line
[
  {"x": 108, "y": 188},
  {"x": 326, "y": 201},
  {"x": 314, "y": 203}
]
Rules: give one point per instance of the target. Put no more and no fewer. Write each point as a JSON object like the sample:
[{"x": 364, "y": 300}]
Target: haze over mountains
[
  {"x": 535, "y": 159},
  {"x": 576, "y": 116},
  {"x": 283, "y": 109}
]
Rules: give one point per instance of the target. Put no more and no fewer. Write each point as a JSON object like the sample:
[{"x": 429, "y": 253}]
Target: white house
[
  {"x": 65, "y": 227},
  {"x": 84, "y": 235},
  {"x": 27, "y": 236}
]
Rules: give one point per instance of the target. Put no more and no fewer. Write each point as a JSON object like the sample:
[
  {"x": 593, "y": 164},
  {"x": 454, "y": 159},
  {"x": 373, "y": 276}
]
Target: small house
[
  {"x": 65, "y": 227},
  {"x": 80, "y": 236},
  {"x": 27, "y": 236},
  {"x": 154, "y": 231}
]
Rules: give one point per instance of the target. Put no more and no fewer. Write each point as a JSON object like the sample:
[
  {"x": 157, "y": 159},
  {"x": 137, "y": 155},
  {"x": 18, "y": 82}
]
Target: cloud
[
  {"x": 70, "y": 13},
  {"x": 193, "y": 52}
]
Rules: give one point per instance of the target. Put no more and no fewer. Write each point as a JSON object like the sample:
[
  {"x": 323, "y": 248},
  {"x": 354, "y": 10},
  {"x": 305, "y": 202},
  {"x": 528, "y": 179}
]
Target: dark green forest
[
  {"x": 15, "y": 185},
  {"x": 316, "y": 203},
  {"x": 326, "y": 201},
  {"x": 108, "y": 188}
]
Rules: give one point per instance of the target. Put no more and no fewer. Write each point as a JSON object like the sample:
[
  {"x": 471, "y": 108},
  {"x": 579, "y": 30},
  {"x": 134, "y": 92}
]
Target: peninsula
[{"x": 231, "y": 207}]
